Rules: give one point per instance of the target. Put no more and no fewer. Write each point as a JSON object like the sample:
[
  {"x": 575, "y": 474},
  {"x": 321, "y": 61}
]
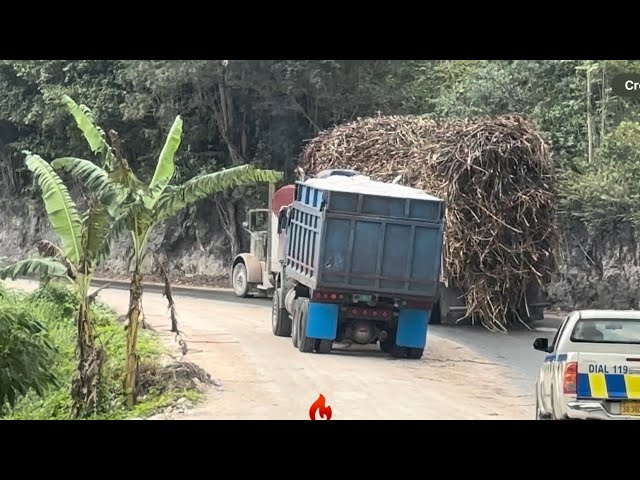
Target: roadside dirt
[{"x": 264, "y": 377}]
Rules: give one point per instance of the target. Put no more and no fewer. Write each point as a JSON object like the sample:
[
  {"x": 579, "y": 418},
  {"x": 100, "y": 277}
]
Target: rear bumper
[{"x": 592, "y": 410}]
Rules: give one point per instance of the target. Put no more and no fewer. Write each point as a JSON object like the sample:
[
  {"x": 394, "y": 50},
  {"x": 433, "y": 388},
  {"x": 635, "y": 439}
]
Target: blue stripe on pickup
[
  {"x": 616, "y": 386},
  {"x": 556, "y": 358},
  {"x": 584, "y": 387}
]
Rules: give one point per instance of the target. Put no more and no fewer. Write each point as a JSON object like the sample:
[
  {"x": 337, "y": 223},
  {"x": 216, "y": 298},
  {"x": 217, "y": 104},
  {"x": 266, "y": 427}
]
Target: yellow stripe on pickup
[
  {"x": 598, "y": 385},
  {"x": 633, "y": 386}
]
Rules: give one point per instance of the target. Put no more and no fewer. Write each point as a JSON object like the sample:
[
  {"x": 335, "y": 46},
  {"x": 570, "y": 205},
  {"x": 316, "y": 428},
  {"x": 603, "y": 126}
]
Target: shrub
[{"x": 26, "y": 353}]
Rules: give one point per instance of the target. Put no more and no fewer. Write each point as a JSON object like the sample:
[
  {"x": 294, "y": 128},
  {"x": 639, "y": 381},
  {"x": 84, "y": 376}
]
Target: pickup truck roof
[
  {"x": 364, "y": 185},
  {"x": 609, "y": 314}
]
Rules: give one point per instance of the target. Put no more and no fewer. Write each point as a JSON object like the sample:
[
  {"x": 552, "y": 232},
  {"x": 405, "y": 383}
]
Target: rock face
[
  {"x": 594, "y": 271},
  {"x": 597, "y": 271},
  {"x": 189, "y": 245}
]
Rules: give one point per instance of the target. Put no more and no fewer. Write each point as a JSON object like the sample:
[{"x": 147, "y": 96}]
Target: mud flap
[
  {"x": 412, "y": 328},
  {"x": 322, "y": 321}
]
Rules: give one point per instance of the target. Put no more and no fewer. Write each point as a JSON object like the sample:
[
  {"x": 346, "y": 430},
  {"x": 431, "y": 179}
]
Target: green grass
[{"x": 54, "y": 306}]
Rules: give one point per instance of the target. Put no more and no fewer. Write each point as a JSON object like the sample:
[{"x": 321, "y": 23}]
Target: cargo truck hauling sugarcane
[
  {"x": 497, "y": 180},
  {"x": 350, "y": 259}
]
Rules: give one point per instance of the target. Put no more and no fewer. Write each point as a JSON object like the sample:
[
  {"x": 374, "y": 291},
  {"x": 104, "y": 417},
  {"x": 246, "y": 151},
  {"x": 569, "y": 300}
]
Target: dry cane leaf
[{"x": 497, "y": 178}]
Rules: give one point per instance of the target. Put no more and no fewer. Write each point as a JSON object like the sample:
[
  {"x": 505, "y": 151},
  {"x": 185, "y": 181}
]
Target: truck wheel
[
  {"x": 399, "y": 352},
  {"x": 434, "y": 318},
  {"x": 415, "y": 353},
  {"x": 387, "y": 345},
  {"x": 324, "y": 346},
  {"x": 280, "y": 321},
  {"x": 305, "y": 344},
  {"x": 239, "y": 277},
  {"x": 295, "y": 324}
]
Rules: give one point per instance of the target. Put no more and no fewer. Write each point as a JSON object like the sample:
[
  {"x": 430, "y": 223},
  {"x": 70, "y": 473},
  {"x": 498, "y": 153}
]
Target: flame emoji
[{"x": 318, "y": 406}]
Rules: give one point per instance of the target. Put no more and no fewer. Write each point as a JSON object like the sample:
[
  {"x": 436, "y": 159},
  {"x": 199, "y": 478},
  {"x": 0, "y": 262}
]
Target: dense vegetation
[
  {"x": 43, "y": 392},
  {"x": 116, "y": 200},
  {"x": 262, "y": 111}
]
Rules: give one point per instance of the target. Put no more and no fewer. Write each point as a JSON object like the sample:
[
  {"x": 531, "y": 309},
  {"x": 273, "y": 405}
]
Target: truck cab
[{"x": 254, "y": 272}]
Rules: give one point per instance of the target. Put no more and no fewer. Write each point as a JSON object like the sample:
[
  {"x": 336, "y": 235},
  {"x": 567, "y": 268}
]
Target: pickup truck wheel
[
  {"x": 415, "y": 353},
  {"x": 239, "y": 277},
  {"x": 324, "y": 346},
  {"x": 280, "y": 321},
  {"x": 539, "y": 415},
  {"x": 305, "y": 344}
]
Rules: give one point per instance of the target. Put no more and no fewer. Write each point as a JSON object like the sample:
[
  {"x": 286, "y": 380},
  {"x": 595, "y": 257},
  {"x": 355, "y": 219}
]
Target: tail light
[
  {"x": 570, "y": 378},
  {"x": 328, "y": 296},
  {"x": 368, "y": 313}
]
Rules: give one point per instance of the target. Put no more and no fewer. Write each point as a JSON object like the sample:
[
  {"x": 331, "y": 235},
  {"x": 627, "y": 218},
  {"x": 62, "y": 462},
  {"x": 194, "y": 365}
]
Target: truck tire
[
  {"x": 387, "y": 345},
  {"x": 324, "y": 346},
  {"x": 435, "y": 318},
  {"x": 399, "y": 352},
  {"x": 305, "y": 344},
  {"x": 239, "y": 279},
  {"x": 295, "y": 324},
  {"x": 280, "y": 321},
  {"x": 415, "y": 353}
]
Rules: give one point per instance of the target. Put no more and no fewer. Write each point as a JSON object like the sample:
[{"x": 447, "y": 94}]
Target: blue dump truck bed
[
  {"x": 361, "y": 265},
  {"x": 354, "y": 234}
]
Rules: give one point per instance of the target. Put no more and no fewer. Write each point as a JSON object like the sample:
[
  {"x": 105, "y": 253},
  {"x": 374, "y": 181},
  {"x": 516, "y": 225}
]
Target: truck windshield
[{"x": 608, "y": 330}]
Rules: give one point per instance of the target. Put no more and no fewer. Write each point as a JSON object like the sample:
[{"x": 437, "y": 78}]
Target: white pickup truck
[{"x": 592, "y": 368}]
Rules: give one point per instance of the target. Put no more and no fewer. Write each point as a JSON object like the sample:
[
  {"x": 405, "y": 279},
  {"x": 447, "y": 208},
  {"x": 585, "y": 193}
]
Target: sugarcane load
[{"x": 497, "y": 178}]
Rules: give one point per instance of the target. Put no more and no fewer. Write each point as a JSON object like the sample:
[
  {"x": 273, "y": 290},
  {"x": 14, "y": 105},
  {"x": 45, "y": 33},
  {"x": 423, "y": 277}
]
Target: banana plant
[
  {"x": 139, "y": 207},
  {"x": 84, "y": 242}
]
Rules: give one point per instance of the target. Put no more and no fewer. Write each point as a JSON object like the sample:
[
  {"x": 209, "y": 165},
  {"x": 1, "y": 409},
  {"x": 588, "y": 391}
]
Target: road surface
[
  {"x": 513, "y": 351},
  {"x": 265, "y": 377}
]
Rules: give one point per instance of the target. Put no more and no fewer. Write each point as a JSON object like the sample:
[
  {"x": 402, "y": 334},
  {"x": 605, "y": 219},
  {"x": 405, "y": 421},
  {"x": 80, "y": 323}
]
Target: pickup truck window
[
  {"x": 554, "y": 342},
  {"x": 607, "y": 330}
]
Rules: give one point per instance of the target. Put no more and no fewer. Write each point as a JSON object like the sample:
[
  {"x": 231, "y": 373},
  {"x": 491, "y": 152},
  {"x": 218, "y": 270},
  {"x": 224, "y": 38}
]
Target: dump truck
[
  {"x": 347, "y": 260},
  {"x": 257, "y": 272}
]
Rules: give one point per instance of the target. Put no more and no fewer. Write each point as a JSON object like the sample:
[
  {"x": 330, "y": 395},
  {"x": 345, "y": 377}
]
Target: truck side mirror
[{"x": 541, "y": 344}]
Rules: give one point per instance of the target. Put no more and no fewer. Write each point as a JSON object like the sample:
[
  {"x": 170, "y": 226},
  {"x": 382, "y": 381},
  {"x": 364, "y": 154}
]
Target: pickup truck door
[{"x": 550, "y": 367}]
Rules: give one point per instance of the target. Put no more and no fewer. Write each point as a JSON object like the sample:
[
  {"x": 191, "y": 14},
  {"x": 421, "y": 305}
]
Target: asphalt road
[{"x": 513, "y": 350}]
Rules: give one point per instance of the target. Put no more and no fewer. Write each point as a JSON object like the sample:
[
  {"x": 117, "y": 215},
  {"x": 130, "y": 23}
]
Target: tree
[
  {"x": 84, "y": 243},
  {"x": 138, "y": 207}
]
